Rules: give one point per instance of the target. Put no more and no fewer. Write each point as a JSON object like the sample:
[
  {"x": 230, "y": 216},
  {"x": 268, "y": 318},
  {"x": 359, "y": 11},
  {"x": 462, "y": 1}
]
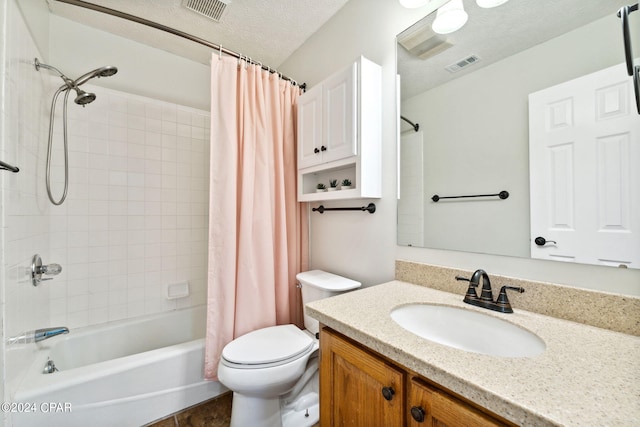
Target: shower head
[
  {"x": 83, "y": 97},
  {"x": 106, "y": 71}
]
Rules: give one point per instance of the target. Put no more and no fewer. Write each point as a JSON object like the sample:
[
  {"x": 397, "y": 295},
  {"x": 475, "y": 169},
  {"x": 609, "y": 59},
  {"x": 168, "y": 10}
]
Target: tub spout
[
  {"x": 37, "y": 335},
  {"x": 43, "y": 334}
]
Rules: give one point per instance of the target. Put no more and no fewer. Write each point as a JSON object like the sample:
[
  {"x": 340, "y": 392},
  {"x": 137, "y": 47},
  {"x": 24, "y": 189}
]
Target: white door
[
  {"x": 310, "y": 127},
  {"x": 340, "y": 115},
  {"x": 584, "y": 157}
]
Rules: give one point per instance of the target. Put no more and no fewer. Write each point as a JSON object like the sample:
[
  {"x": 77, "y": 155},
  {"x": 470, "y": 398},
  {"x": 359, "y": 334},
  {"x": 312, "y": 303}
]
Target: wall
[
  {"x": 364, "y": 248},
  {"x": 142, "y": 70},
  {"x": 136, "y": 216},
  {"x": 23, "y": 208}
]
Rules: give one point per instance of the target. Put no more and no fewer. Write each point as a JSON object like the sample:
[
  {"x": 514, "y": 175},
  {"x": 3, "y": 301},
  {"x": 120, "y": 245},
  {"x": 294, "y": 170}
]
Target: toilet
[{"x": 273, "y": 372}]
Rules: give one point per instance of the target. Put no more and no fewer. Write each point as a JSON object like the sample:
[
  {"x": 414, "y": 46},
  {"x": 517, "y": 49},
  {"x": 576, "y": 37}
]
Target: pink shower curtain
[{"x": 257, "y": 230}]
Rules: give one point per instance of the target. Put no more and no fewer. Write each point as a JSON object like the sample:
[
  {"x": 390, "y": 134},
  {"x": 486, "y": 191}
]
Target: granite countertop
[{"x": 587, "y": 376}]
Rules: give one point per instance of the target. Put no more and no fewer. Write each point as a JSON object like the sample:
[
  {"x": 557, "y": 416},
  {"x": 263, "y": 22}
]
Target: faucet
[
  {"x": 38, "y": 335},
  {"x": 46, "y": 333},
  {"x": 485, "y": 300}
]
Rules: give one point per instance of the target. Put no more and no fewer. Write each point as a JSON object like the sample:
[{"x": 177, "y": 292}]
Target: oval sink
[{"x": 468, "y": 330}]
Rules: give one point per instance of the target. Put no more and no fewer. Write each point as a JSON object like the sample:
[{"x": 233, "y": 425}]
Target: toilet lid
[{"x": 267, "y": 345}]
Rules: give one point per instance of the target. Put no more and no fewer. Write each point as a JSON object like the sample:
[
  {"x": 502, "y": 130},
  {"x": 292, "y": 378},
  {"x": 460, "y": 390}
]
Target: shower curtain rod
[{"x": 173, "y": 31}]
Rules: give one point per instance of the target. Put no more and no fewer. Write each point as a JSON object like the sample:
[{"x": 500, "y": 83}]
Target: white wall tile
[{"x": 121, "y": 235}]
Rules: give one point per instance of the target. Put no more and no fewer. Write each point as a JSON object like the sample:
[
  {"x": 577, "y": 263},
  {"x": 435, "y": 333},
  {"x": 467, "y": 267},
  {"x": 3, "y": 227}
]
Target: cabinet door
[
  {"x": 357, "y": 388},
  {"x": 440, "y": 409},
  {"x": 340, "y": 115},
  {"x": 310, "y": 127}
]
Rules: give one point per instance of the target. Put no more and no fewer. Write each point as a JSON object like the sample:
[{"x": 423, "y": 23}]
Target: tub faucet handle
[
  {"x": 38, "y": 269},
  {"x": 51, "y": 269}
]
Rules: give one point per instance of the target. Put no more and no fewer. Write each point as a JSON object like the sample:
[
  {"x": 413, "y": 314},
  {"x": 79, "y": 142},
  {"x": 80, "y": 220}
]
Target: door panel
[{"x": 585, "y": 194}]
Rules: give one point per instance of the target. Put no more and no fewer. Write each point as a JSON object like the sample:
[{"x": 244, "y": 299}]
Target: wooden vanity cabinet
[
  {"x": 363, "y": 389},
  {"x": 352, "y": 383},
  {"x": 438, "y": 408}
]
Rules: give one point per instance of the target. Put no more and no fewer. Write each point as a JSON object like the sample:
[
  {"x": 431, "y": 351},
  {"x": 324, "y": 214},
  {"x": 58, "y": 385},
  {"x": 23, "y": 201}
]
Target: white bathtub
[{"x": 125, "y": 373}]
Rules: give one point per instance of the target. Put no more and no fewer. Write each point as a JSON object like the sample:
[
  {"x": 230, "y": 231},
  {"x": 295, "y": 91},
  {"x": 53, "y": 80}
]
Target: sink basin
[{"x": 468, "y": 330}]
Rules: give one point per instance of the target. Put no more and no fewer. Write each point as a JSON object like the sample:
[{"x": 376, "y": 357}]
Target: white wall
[
  {"x": 23, "y": 209},
  {"x": 365, "y": 247},
  {"x": 358, "y": 245},
  {"x": 76, "y": 49},
  {"x": 136, "y": 216}
]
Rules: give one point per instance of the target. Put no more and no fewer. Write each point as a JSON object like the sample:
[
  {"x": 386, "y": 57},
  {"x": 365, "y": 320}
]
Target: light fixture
[
  {"x": 450, "y": 17},
  {"x": 412, "y": 4},
  {"x": 490, "y": 3}
]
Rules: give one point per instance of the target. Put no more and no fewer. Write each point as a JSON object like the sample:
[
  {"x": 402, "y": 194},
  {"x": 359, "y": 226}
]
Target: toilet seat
[{"x": 267, "y": 347}]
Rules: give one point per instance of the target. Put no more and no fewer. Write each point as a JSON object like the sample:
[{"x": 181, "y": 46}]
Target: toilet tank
[{"x": 318, "y": 284}]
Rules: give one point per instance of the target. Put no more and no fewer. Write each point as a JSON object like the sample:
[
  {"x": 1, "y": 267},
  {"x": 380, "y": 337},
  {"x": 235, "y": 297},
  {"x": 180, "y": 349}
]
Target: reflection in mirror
[{"x": 469, "y": 93}]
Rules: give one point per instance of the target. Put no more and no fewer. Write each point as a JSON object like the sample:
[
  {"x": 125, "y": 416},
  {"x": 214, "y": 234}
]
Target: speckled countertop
[{"x": 587, "y": 376}]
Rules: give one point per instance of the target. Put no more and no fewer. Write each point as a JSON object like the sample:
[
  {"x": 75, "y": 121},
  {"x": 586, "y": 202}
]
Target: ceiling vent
[
  {"x": 421, "y": 41},
  {"x": 212, "y": 9},
  {"x": 459, "y": 65}
]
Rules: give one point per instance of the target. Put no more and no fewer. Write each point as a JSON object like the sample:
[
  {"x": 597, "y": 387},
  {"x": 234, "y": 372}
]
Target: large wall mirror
[{"x": 469, "y": 93}]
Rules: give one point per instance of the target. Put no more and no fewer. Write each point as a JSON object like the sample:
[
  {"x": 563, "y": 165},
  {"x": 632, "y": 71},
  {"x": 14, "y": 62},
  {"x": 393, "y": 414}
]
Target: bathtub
[{"x": 124, "y": 373}]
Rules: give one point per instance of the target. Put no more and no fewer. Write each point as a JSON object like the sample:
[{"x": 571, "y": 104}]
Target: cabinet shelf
[{"x": 339, "y": 134}]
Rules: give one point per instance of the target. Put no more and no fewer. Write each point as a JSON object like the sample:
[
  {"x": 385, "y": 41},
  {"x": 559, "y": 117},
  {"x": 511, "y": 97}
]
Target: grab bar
[
  {"x": 371, "y": 208},
  {"x": 8, "y": 167},
  {"x": 503, "y": 195},
  {"x": 623, "y": 14}
]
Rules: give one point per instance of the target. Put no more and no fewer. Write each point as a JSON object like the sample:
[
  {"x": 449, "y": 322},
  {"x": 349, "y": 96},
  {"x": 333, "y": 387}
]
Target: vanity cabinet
[
  {"x": 339, "y": 133},
  {"x": 361, "y": 388}
]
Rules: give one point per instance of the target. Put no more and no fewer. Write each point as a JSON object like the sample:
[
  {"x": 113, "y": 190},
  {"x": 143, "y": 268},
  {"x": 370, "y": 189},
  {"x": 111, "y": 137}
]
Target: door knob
[
  {"x": 388, "y": 392},
  {"x": 323, "y": 148},
  {"x": 316, "y": 150},
  {"x": 418, "y": 413},
  {"x": 541, "y": 241}
]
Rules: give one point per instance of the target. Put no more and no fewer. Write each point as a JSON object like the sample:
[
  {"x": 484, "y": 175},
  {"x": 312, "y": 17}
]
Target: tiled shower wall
[
  {"x": 24, "y": 210},
  {"x": 136, "y": 217}
]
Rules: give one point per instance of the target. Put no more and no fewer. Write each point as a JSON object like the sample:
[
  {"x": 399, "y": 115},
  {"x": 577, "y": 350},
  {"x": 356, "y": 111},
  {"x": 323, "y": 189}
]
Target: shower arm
[
  {"x": 70, "y": 84},
  {"x": 133, "y": 18}
]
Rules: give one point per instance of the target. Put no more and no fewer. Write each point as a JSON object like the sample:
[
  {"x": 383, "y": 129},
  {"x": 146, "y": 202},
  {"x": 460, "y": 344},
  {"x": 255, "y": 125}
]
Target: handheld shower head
[
  {"x": 83, "y": 97},
  {"x": 106, "y": 71}
]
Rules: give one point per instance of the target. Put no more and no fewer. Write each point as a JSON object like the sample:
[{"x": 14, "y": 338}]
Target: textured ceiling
[
  {"x": 268, "y": 31},
  {"x": 494, "y": 34}
]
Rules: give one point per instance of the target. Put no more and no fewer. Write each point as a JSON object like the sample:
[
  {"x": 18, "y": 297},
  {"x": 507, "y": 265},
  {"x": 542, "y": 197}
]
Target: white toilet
[{"x": 273, "y": 372}]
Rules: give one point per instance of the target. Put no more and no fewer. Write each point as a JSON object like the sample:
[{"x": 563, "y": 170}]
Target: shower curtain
[{"x": 257, "y": 230}]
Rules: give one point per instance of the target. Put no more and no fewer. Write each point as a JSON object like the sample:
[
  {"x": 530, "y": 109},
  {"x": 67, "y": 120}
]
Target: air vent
[
  {"x": 421, "y": 41},
  {"x": 212, "y": 9},
  {"x": 459, "y": 65}
]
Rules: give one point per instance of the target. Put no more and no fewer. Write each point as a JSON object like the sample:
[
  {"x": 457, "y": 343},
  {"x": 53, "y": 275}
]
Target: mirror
[{"x": 473, "y": 135}]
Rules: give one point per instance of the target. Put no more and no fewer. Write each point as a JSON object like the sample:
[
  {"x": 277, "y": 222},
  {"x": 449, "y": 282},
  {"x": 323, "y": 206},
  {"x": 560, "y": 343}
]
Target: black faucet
[{"x": 485, "y": 300}]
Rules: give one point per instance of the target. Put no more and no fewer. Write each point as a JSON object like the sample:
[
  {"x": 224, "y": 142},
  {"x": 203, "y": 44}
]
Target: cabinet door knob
[
  {"x": 388, "y": 392},
  {"x": 323, "y": 148},
  {"x": 418, "y": 413},
  {"x": 315, "y": 150}
]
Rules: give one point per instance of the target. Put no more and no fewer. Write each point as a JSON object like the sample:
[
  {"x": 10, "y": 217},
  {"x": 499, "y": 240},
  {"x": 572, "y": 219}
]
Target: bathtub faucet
[
  {"x": 45, "y": 333},
  {"x": 37, "y": 335}
]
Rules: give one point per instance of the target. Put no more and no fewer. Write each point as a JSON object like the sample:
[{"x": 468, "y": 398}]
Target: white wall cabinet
[{"x": 339, "y": 134}]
